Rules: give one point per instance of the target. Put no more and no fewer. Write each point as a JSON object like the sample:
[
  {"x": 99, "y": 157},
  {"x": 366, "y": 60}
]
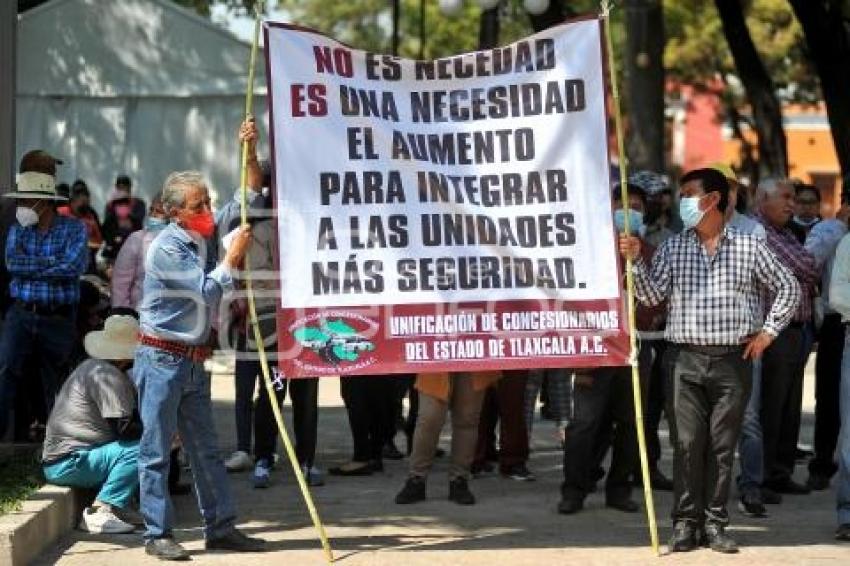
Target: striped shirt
[
  {"x": 715, "y": 300},
  {"x": 45, "y": 267}
]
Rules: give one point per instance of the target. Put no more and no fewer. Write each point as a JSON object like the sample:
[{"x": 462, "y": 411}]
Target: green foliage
[
  {"x": 20, "y": 477},
  {"x": 366, "y": 24},
  {"x": 697, "y": 51},
  {"x": 203, "y": 7}
]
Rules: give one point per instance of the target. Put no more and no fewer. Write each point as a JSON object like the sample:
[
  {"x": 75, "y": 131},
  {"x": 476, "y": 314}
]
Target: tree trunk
[
  {"x": 488, "y": 30},
  {"x": 827, "y": 31},
  {"x": 644, "y": 84},
  {"x": 767, "y": 112},
  {"x": 555, "y": 14}
]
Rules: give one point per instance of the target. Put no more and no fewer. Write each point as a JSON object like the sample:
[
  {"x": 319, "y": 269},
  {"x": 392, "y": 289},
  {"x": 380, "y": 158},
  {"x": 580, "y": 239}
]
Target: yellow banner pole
[
  {"x": 630, "y": 286},
  {"x": 252, "y": 309}
]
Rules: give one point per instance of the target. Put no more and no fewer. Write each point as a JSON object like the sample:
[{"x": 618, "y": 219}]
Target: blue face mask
[
  {"x": 153, "y": 224},
  {"x": 636, "y": 227},
  {"x": 689, "y": 211}
]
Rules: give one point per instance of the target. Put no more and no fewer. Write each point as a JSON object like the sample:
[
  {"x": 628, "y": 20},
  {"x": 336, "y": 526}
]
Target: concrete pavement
[{"x": 514, "y": 524}]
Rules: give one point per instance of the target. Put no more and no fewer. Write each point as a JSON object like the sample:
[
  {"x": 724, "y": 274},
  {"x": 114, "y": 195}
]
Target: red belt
[{"x": 197, "y": 354}]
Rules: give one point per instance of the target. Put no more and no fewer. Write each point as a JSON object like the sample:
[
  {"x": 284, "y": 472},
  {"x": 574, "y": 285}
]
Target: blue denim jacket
[{"x": 178, "y": 298}]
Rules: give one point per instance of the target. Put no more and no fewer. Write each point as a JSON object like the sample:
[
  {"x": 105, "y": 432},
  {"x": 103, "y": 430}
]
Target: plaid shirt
[
  {"x": 45, "y": 267},
  {"x": 800, "y": 261},
  {"x": 715, "y": 301}
]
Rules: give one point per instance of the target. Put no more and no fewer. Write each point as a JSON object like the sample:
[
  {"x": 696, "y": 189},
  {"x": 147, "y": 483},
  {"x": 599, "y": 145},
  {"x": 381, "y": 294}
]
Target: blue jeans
[
  {"x": 750, "y": 447},
  {"x": 174, "y": 395},
  {"x": 26, "y": 335},
  {"x": 843, "y": 451},
  {"x": 113, "y": 467}
]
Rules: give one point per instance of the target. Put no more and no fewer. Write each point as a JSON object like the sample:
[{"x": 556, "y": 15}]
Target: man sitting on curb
[{"x": 93, "y": 431}]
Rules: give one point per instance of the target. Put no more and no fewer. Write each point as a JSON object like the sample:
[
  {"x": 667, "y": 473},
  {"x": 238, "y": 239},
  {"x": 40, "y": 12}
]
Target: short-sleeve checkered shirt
[{"x": 715, "y": 300}]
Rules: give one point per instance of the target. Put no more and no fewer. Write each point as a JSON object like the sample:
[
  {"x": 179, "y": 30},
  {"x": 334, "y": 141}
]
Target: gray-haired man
[{"x": 174, "y": 391}]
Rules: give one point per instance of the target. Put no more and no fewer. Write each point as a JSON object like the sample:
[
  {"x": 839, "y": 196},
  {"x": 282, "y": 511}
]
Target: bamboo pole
[
  {"x": 252, "y": 309},
  {"x": 630, "y": 286}
]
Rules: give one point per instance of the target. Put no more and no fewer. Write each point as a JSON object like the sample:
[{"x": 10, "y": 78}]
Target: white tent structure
[{"x": 141, "y": 87}]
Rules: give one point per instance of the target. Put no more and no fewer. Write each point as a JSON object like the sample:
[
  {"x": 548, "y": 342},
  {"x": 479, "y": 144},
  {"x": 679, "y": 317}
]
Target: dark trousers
[
  {"x": 304, "y": 393},
  {"x": 603, "y": 396},
  {"x": 504, "y": 403},
  {"x": 370, "y": 402},
  {"x": 707, "y": 392},
  {"x": 827, "y": 382},
  {"x": 246, "y": 375},
  {"x": 305, "y": 414},
  {"x": 781, "y": 399},
  {"x": 28, "y": 336},
  {"x": 654, "y": 401}
]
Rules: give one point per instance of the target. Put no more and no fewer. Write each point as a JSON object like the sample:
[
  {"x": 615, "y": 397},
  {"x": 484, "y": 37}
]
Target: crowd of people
[{"x": 736, "y": 286}]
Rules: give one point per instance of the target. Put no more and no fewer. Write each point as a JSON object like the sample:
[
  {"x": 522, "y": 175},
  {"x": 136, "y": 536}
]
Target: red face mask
[{"x": 201, "y": 223}]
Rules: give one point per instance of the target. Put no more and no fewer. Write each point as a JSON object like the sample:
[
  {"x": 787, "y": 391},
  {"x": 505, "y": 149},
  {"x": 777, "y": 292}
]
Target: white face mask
[{"x": 26, "y": 216}]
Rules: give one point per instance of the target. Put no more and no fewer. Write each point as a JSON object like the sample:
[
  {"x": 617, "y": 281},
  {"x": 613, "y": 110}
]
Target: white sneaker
[
  {"x": 100, "y": 520},
  {"x": 239, "y": 461}
]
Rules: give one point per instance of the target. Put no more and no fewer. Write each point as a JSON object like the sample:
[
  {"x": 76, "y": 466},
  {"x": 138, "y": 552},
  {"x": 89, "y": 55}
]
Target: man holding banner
[
  {"x": 174, "y": 389},
  {"x": 711, "y": 275}
]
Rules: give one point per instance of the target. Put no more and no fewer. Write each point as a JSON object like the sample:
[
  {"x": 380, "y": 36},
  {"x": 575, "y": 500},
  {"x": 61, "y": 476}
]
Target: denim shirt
[{"x": 178, "y": 298}]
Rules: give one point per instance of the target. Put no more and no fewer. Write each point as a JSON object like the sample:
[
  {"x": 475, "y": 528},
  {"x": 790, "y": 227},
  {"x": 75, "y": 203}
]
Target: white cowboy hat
[
  {"x": 34, "y": 185},
  {"x": 117, "y": 340}
]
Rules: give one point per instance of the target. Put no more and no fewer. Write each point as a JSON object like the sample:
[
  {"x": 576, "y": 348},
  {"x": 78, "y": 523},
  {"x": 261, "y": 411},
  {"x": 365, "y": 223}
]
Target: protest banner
[{"x": 446, "y": 215}]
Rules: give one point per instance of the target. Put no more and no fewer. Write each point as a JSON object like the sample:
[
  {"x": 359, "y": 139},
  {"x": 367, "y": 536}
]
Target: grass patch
[{"x": 20, "y": 477}]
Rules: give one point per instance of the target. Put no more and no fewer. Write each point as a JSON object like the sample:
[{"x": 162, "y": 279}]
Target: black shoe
[
  {"x": 235, "y": 541},
  {"x": 412, "y": 492},
  {"x": 390, "y": 452},
  {"x": 439, "y": 453},
  {"x": 770, "y": 497},
  {"x": 623, "y": 504},
  {"x": 684, "y": 538},
  {"x": 789, "y": 486},
  {"x": 718, "y": 540},
  {"x": 166, "y": 549},
  {"x": 376, "y": 465},
  {"x": 479, "y": 469},
  {"x": 570, "y": 505},
  {"x": 817, "y": 482},
  {"x": 519, "y": 472},
  {"x": 659, "y": 481},
  {"x": 751, "y": 506},
  {"x": 362, "y": 470},
  {"x": 459, "y": 492},
  {"x": 842, "y": 533}
]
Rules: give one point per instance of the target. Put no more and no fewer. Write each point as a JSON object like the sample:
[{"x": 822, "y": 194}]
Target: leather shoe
[
  {"x": 625, "y": 505},
  {"x": 842, "y": 533},
  {"x": 365, "y": 469},
  {"x": 166, "y": 549},
  {"x": 235, "y": 541},
  {"x": 684, "y": 538},
  {"x": 570, "y": 505},
  {"x": 459, "y": 492},
  {"x": 414, "y": 490},
  {"x": 717, "y": 539},
  {"x": 789, "y": 486}
]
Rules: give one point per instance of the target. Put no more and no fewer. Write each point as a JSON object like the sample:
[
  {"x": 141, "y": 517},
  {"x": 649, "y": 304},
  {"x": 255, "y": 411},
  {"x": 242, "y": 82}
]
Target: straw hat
[
  {"x": 117, "y": 340},
  {"x": 37, "y": 177}
]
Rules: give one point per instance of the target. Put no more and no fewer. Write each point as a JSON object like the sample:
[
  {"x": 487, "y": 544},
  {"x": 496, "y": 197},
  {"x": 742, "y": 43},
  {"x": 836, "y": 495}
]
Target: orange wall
[{"x": 809, "y": 152}]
